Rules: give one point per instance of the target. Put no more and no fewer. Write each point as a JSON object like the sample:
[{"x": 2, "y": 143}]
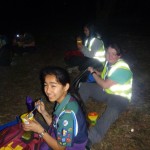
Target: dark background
[
  {"x": 127, "y": 21},
  {"x": 17, "y": 15}
]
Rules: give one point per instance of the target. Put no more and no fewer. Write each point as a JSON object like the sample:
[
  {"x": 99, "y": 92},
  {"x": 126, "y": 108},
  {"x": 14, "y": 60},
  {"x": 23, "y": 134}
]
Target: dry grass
[{"x": 23, "y": 79}]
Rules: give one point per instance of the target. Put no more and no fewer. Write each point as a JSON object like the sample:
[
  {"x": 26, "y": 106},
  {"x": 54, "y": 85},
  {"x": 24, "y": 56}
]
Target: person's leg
[
  {"x": 115, "y": 106},
  {"x": 87, "y": 90},
  {"x": 93, "y": 90}
]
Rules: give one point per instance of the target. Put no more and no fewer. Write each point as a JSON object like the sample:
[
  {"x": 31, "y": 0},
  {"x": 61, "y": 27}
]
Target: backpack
[
  {"x": 68, "y": 54},
  {"x": 11, "y": 138}
]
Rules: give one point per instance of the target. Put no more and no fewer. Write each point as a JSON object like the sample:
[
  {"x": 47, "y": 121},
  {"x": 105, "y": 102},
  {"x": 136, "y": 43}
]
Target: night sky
[
  {"x": 37, "y": 13},
  {"x": 22, "y": 14}
]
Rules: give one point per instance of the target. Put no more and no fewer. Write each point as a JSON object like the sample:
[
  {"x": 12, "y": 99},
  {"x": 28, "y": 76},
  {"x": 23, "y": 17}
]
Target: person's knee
[
  {"x": 83, "y": 91},
  {"x": 82, "y": 88},
  {"x": 94, "y": 136}
]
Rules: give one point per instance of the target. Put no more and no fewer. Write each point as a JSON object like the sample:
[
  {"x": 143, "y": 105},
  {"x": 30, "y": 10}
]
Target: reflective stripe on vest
[
  {"x": 91, "y": 42},
  {"x": 104, "y": 72},
  {"x": 125, "y": 89},
  {"x": 100, "y": 54}
]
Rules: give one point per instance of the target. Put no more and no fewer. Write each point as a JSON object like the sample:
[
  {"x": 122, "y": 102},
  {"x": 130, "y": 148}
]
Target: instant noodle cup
[
  {"x": 25, "y": 117},
  {"x": 92, "y": 116}
]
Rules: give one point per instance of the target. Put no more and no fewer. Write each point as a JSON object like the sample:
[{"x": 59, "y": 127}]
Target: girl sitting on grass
[{"x": 67, "y": 124}]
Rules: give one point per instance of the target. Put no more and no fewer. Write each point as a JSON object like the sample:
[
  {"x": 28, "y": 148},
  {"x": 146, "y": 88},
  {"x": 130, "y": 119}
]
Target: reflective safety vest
[
  {"x": 124, "y": 90},
  {"x": 100, "y": 54}
]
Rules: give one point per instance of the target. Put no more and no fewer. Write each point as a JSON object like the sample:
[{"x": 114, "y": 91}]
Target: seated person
[
  {"x": 92, "y": 48},
  {"x": 113, "y": 87},
  {"x": 68, "y": 128},
  {"x": 23, "y": 43}
]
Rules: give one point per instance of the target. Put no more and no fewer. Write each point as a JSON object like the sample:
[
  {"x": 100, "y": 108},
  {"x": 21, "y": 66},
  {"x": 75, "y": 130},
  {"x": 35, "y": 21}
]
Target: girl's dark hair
[
  {"x": 116, "y": 47},
  {"x": 76, "y": 95},
  {"x": 61, "y": 74},
  {"x": 92, "y": 29}
]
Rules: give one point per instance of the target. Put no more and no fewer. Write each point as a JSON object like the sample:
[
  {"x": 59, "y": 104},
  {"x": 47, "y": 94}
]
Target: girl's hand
[
  {"x": 41, "y": 106},
  {"x": 32, "y": 126}
]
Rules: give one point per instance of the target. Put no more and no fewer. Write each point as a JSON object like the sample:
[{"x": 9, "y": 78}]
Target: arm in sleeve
[
  {"x": 65, "y": 130},
  {"x": 121, "y": 76}
]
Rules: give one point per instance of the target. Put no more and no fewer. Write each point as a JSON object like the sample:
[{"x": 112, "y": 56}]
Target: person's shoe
[
  {"x": 88, "y": 145},
  {"x": 87, "y": 148}
]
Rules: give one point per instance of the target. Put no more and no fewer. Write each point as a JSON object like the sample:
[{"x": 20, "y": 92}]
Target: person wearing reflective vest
[
  {"x": 113, "y": 87},
  {"x": 92, "y": 48},
  {"x": 90, "y": 51},
  {"x": 100, "y": 52}
]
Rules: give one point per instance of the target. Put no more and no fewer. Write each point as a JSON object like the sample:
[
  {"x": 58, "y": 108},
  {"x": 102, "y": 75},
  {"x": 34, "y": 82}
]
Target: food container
[
  {"x": 92, "y": 116},
  {"x": 25, "y": 117}
]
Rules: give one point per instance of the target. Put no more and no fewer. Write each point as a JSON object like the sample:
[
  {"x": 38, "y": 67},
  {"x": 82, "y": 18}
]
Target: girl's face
[
  {"x": 54, "y": 90},
  {"x": 111, "y": 55},
  {"x": 86, "y": 31}
]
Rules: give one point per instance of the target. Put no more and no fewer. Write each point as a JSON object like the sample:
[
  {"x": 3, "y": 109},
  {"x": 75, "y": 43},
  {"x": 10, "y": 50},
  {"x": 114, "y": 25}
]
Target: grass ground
[{"x": 130, "y": 132}]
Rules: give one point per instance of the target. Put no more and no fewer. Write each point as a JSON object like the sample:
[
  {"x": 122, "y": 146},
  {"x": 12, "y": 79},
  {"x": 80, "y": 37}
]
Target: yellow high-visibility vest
[
  {"x": 100, "y": 54},
  {"x": 124, "y": 90}
]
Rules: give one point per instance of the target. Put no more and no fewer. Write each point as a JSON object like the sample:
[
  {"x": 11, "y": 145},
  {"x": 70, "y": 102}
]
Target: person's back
[
  {"x": 91, "y": 47},
  {"x": 93, "y": 44}
]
